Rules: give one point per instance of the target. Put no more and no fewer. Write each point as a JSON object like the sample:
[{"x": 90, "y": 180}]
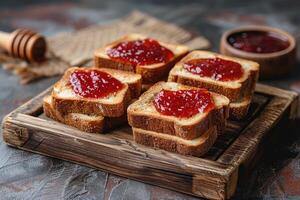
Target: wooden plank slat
[
  {"x": 291, "y": 96},
  {"x": 246, "y": 144},
  {"x": 274, "y": 91}
]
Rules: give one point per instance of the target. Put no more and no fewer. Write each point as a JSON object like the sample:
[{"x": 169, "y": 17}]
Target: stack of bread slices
[
  {"x": 238, "y": 91},
  {"x": 189, "y": 135},
  {"x": 193, "y": 135},
  {"x": 93, "y": 115},
  {"x": 150, "y": 73}
]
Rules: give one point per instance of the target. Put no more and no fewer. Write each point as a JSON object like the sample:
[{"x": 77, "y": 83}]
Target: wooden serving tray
[{"x": 213, "y": 176}]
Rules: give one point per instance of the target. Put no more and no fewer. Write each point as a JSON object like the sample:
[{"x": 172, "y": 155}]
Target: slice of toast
[
  {"x": 150, "y": 73},
  {"x": 196, "y": 147},
  {"x": 239, "y": 110},
  {"x": 87, "y": 123},
  {"x": 142, "y": 114},
  {"x": 83, "y": 122},
  {"x": 235, "y": 90},
  {"x": 114, "y": 105}
]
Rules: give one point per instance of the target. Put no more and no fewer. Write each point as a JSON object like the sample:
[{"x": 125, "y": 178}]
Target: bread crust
[
  {"x": 146, "y": 138},
  {"x": 152, "y": 123},
  {"x": 98, "y": 125},
  {"x": 95, "y": 126},
  {"x": 150, "y": 74},
  {"x": 168, "y": 125},
  {"x": 239, "y": 110},
  {"x": 83, "y": 106},
  {"x": 101, "y": 62}
]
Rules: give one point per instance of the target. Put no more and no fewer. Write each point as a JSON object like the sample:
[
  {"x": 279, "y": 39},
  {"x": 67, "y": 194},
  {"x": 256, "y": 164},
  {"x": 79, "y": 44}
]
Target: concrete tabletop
[{"x": 25, "y": 175}]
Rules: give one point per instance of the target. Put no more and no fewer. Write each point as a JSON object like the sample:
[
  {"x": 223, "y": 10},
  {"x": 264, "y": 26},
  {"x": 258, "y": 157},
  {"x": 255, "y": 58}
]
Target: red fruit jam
[
  {"x": 183, "y": 103},
  {"x": 215, "y": 68},
  {"x": 94, "y": 83},
  {"x": 140, "y": 52},
  {"x": 258, "y": 41}
]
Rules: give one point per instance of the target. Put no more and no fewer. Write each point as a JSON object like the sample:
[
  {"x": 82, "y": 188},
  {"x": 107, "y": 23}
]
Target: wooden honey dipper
[{"x": 24, "y": 44}]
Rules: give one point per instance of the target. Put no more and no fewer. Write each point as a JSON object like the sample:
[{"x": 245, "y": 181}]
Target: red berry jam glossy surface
[
  {"x": 215, "y": 68},
  {"x": 140, "y": 52},
  {"x": 258, "y": 42},
  {"x": 183, "y": 103},
  {"x": 94, "y": 83}
]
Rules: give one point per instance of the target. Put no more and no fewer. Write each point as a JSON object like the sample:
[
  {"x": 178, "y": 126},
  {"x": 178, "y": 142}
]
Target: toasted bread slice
[
  {"x": 142, "y": 114},
  {"x": 150, "y": 73},
  {"x": 239, "y": 110},
  {"x": 234, "y": 90},
  {"x": 196, "y": 147},
  {"x": 87, "y": 123},
  {"x": 83, "y": 122},
  {"x": 114, "y": 105}
]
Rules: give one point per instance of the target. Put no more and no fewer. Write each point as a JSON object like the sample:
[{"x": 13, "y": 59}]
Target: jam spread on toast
[
  {"x": 215, "y": 68},
  {"x": 94, "y": 83},
  {"x": 183, "y": 103},
  {"x": 258, "y": 42},
  {"x": 140, "y": 52}
]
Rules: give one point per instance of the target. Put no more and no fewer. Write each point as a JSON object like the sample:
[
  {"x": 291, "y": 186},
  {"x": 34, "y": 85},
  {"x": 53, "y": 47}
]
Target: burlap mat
[{"x": 77, "y": 48}]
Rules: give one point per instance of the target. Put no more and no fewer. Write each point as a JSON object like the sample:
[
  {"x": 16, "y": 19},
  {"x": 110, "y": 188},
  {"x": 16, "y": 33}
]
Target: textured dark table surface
[{"x": 25, "y": 175}]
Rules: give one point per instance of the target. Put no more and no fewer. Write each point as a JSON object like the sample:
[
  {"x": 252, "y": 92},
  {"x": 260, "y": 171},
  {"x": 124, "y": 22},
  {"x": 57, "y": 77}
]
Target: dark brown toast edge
[
  {"x": 149, "y": 75},
  {"x": 144, "y": 138},
  {"x": 101, "y": 62},
  {"x": 66, "y": 106},
  {"x": 95, "y": 126},
  {"x": 87, "y": 106},
  {"x": 216, "y": 117},
  {"x": 91, "y": 126},
  {"x": 239, "y": 110},
  {"x": 135, "y": 89},
  {"x": 234, "y": 94}
]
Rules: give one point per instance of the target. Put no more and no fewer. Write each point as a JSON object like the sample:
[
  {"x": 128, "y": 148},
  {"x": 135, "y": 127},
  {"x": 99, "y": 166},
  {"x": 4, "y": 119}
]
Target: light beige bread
[
  {"x": 86, "y": 123},
  {"x": 238, "y": 91},
  {"x": 150, "y": 73},
  {"x": 113, "y": 105},
  {"x": 196, "y": 147},
  {"x": 143, "y": 115}
]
